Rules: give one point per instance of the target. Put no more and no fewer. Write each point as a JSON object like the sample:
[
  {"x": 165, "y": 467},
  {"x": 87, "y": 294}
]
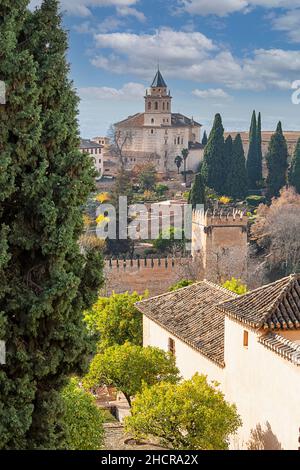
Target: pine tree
[
  {"x": 213, "y": 164},
  {"x": 252, "y": 160},
  {"x": 237, "y": 174},
  {"x": 277, "y": 163},
  {"x": 259, "y": 150},
  {"x": 49, "y": 282},
  {"x": 197, "y": 193},
  {"x": 294, "y": 173},
  {"x": 204, "y": 138}
]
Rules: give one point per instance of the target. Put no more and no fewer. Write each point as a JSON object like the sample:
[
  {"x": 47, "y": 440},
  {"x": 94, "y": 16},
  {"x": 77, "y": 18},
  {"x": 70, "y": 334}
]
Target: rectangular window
[
  {"x": 172, "y": 346},
  {"x": 246, "y": 339}
]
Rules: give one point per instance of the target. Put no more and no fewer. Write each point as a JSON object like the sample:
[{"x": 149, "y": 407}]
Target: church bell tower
[{"x": 158, "y": 103}]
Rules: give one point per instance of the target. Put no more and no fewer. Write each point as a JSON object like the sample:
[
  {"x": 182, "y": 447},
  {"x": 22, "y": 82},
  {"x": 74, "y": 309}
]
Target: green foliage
[
  {"x": 204, "y": 138},
  {"x": 197, "y": 194},
  {"x": 178, "y": 162},
  {"x": 161, "y": 189},
  {"x": 115, "y": 320},
  {"x": 213, "y": 169},
  {"x": 129, "y": 367},
  {"x": 147, "y": 177},
  {"x": 170, "y": 240},
  {"x": 254, "y": 163},
  {"x": 191, "y": 415},
  {"x": 46, "y": 282},
  {"x": 83, "y": 420},
  {"x": 236, "y": 184},
  {"x": 259, "y": 152},
  {"x": 255, "y": 201},
  {"x": 294, "y": 174},
  {"x": 181, "y": 284},
  {"x": 277, "y": 163},
  {"x": 236, "y": 285}
]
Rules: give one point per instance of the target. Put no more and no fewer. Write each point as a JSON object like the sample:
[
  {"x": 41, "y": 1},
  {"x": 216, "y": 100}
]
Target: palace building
[{"x": 157, "y": 135}]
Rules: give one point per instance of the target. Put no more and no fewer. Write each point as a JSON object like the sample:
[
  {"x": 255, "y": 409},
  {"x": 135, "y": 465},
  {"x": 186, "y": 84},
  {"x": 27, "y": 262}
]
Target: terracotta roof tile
[
  {"x": 274, "y": 306},
  {"x": 191, "y": 314},
  {"x": 282, "y": 346}
]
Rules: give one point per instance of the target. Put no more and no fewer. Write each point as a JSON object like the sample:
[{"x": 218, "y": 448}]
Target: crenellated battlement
[
  {"x": 220, "y": 217},
  {"x": 145, "y": 262}
]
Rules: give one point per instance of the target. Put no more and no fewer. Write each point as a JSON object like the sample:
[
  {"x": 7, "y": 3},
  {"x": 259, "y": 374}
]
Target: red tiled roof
[
  {"x": 191, "y": 314},
  {"x": 274, "y": 306},
  {"x": 282, "y": 346}
]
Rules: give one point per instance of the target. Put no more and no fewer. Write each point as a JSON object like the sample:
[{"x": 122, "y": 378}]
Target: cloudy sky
[{"x": 227, "y": 56}]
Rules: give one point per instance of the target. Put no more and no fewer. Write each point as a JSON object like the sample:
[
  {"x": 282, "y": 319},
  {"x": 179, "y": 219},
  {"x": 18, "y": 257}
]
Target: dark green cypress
[
  {"x": 252, "y": 160},
  {"x": 213, "y": 163},
  {"x": 50, "y": 283},
  {"x": 228, "y": 149},
  {"x": 277, "y": 163},
  {"x": 294, "y": 173},
  {"x": 204, "y": 138},
  {"x": 259, "y": 150},
  {"x": 197, "y": 193},
  {"x": 237, "y": 174}
]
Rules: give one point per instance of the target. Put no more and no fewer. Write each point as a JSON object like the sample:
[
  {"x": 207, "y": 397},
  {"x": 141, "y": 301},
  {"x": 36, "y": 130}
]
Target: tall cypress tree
[
  {"x": 294, "y": 173},
  {"x": 197, "y": 193},
  {"x": 259, "y": 150},
  {"x": 252, "y": 160},
  {"x": 228, "y": 149},
  {"x": 49, "y": 281},
  {"x": 237, "y": 174},
  {"x": 277, "y": 163},
  {"x": 204, "y": 138},
  {"x": 213, "y": 162}
]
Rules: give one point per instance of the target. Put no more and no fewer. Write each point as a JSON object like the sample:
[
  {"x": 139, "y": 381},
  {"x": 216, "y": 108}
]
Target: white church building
[
  {"x": 250, "y": 344},
  {"x": 158, "y": 135}
]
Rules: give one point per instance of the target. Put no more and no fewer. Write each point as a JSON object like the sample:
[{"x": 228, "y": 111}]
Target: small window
[
  {"x": 149, "y": 105},
  {"x": 246, "y": 339},
  {"x": 172, "y": 346},
  {"x": 152, "y": 131},
  {"x": 152, "y": 121},
  {"x": 156, "y": 105}
]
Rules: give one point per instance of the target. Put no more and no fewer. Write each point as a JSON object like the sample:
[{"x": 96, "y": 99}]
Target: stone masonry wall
[{"x": 154, "y": 275}]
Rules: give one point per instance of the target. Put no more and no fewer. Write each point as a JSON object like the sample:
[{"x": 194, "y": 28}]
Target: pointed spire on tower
[{"x": 158, "y": 81}]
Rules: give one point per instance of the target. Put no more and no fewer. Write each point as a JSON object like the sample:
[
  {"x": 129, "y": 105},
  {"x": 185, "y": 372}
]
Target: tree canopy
[
  {"x": 129, "y": 367},
  {"x": 294, "y": 173},
  {"x": 191, "y": 415},
  {"x": 115, "y": 320},
  {"x": 197, "y": 195},
  {"x": 277, "y": 163},
  {"x": 236, "y": 184},
  {"x": 83, "y": 419},
  {"x": 213, "y": 163},
  {"x": 46, "y": 282}
]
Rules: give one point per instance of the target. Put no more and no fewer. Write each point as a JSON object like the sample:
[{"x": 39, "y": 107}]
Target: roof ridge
[
  {"x": 169, "y": 292},
  {"x": 258, "y": 289},
  {"x": 221, "y": 288}
]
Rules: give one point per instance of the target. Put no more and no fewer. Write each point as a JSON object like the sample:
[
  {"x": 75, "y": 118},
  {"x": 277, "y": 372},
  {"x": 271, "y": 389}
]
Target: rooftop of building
[
  {"x": 195, "y": 315},
  {"x": 191, "y": 314},
  {"x": 89, "y": 144},
  {"x": 177, "y": 120},
  {"x": 158, "y": 81},
  {"x": 291, "y": 136}
]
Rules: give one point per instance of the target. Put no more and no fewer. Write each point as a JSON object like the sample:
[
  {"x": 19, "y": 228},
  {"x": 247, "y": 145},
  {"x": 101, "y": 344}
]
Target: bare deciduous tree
[
  {"x": 277, "y": 232},
  {"x": 119, "y": 139}
]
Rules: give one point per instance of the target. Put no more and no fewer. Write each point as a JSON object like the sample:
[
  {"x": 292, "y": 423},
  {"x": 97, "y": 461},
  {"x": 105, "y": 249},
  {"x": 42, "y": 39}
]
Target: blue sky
[{"x": 227, "y": 56}]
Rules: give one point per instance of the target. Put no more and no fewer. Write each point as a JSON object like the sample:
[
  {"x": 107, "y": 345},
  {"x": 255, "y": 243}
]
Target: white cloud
[
  {"x": 289, "y": 23},
  {"x": 225, "y": 7},
  {"x": 193, "y": 56},
  {"x": 82, "y": 7},
  {"x": 211, "y": 93},
  {"x": 129, "y": 91},
  {"x": 129, "y": 11}
]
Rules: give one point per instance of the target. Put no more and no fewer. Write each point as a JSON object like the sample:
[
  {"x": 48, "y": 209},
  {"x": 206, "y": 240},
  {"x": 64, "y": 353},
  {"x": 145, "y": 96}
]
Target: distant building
[
  {"x": 95, "y": 150},
  {"x": 249, "y": 344},
  {"x": 158, "y": 135},
  {"x": 110, "y": 163}
]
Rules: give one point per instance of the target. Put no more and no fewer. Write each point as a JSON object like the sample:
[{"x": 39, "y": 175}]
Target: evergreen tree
[
  {"x": 213, "y": 163},
  {"x": 259, "y": 150},
  {"x": 252, "y": 160},
  {"x": 277, "y": 163},
  {"x": 228, "y": 149},
  {"x": 204, "y": 138},
  {"x": 294, "y": 174},
  {"x": 197, "y": 193},
  {"x": 237, "y": 174},
  {"x": 48, "y": 282}
]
